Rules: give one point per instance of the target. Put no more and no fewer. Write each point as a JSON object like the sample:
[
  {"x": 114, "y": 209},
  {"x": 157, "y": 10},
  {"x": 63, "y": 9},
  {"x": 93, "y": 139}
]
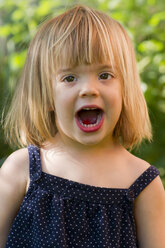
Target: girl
[{"x": 77, "y": 109}]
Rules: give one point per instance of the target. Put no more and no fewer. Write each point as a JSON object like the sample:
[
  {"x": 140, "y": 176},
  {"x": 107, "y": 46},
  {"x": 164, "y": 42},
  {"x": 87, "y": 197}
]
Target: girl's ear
[{"x": 51, "y": 107}]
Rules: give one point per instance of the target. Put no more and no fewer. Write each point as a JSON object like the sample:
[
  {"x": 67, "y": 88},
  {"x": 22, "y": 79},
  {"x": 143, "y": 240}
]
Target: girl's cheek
[{"x": 115, "y": 96}]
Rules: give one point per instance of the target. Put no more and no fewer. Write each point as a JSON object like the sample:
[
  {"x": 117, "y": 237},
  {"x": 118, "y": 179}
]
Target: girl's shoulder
[
  {"x": 19, "y": 159},
  {"x": 13, "y": 182},
  {"x": 154, "y": 188},
  {"x": 136, "y": 165},
  {"x": 16, "y": 167},
  {"x": 149, "y": 207}
]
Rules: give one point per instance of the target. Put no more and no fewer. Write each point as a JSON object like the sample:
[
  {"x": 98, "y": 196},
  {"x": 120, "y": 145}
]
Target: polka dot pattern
[{"x": 60, "y": 213}]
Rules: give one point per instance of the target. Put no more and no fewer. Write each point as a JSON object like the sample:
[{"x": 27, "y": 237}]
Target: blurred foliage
[{"x": 144, "y": 20}]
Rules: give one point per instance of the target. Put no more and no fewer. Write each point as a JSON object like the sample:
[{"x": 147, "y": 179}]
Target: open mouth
[
  {"x": 90, "y": 119},
  {"x": 90, "y": 116}
]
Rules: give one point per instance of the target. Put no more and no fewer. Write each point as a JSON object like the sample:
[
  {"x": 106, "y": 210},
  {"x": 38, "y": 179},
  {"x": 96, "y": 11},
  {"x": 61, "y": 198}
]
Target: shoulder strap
[
  {"x": 34, "y": 163},
  {"x": 142, "y": 182}
]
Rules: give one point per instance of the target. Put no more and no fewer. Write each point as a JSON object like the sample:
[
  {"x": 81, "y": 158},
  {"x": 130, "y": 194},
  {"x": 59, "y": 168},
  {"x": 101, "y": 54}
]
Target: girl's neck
[{"x": 79, "y": 151}]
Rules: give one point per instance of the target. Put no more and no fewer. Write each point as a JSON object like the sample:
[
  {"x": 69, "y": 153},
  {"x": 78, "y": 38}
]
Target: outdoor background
[{"x": 143, "y": 19}]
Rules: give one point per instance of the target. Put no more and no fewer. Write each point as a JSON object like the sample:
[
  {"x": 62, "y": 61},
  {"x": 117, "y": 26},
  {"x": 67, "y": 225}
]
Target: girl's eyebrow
[
  {"x": 99, "y": 67},
  {"x": 64, "y": 70}
]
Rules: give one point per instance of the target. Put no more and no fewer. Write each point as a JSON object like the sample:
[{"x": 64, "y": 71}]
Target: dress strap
[
  {"x": 34, "y": 163},
  {"x": 142, "y": 182}
]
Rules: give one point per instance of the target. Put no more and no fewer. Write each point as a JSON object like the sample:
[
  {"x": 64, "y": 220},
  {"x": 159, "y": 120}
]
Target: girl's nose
[{"x": 89, "y": 88}]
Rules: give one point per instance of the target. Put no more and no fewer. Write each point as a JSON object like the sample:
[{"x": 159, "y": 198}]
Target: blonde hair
[{"x": 81, "y": 35}]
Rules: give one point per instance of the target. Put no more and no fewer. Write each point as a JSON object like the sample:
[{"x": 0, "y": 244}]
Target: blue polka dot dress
[{"x": 57, "y": 212}]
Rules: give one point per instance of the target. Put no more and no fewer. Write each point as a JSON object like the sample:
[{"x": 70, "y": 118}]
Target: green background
[{"x": 144, "y": 20}]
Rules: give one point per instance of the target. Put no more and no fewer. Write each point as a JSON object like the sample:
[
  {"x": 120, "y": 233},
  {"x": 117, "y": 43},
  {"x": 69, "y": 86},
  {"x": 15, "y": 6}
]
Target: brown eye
[
  {"x": 69, "y": 79},
  {"x": 105, "y": 76}
]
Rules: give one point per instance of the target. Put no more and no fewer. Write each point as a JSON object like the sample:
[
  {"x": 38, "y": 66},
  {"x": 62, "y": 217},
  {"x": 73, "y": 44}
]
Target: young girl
[{"x": 78, "y": 109}]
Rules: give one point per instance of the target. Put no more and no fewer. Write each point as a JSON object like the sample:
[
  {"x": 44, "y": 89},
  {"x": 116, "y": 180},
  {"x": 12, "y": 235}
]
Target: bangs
[{"x": 86, "y": 40}]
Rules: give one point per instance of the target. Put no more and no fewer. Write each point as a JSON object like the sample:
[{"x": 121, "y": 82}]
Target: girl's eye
[
  {"x": 105, "y": 76},
  {"x": 69, "y": 79}
]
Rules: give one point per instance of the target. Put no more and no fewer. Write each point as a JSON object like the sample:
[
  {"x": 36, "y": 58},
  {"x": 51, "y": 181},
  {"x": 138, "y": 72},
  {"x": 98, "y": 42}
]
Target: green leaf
[
  {"x": 151, "y": 2},
  {"x": 17, "y": 60},
  {"x": 17, "y": 15},
  {"x": 156, "y": 18},
  {"x": 44, "y": 8},
  {"x": 150, "y": 45},
  {"x": 5, "y": 30},
  {"x": 143, "y": 63},
  {"x": 113, "y": 4},
  {"x": 162, "y": 67}
]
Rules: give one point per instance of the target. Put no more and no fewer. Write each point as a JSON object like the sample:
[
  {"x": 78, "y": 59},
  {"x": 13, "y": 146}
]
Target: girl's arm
[
  {"x": 13, "y": 181},
  {"x": 150, "y": 215}
]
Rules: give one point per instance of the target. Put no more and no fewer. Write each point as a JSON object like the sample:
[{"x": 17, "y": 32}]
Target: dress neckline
[{"x": 88, "y": 186}]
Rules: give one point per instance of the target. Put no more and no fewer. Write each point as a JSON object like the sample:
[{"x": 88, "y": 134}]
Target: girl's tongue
[{"x": 88, "y": 116}]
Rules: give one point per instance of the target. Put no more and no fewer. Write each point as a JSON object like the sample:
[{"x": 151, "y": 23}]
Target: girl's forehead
[{"x": 86, "y": 68}]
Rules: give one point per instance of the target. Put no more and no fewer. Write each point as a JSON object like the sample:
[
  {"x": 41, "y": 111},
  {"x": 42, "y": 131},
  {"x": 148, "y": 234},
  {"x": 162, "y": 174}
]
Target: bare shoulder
[
  {"x": 16, "y": 165},
  {"x": 132, "y": 167},
  {"x": 19, "y": 155},
  {"x": 149, "y": 207},
  {"x": 13, "y": 184},
  {"x": 149, "y": 211},
  {"x": 136, "y": 166},
  {"x": 155, "y": 186}
]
